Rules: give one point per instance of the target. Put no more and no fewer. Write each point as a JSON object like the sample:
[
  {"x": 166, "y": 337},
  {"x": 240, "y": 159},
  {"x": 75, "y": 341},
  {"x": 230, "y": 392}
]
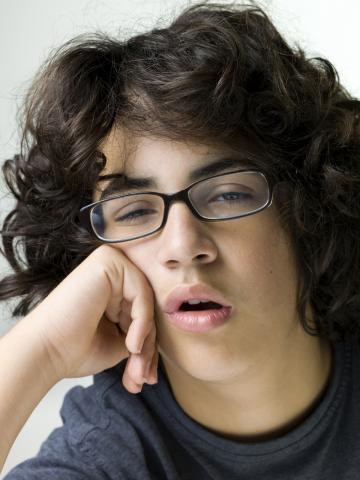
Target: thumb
[{"x": 107, "y": 349}]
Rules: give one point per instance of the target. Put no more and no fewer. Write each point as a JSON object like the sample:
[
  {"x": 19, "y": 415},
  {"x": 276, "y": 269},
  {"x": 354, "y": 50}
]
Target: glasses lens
[
  {"x": 230, "y": 195},
  {"x": 225, "y": 196},
  {"x": 127, "y": 217}
]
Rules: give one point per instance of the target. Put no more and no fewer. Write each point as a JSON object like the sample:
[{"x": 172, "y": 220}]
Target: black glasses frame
[{"x": 84, "y": 214}]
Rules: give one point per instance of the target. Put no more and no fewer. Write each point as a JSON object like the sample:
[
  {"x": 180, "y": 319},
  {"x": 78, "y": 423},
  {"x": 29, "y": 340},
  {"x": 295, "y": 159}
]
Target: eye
[
  {"x": 234, "y": 196},
  {"x": 134, "y": 214}
]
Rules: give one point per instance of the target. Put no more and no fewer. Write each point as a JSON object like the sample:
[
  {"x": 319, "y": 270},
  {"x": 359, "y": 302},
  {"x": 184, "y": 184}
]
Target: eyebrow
[{"x": 120, "y": 182}]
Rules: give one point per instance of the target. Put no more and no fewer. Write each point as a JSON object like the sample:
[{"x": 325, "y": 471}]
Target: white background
[{"x": 30, "y": 29}]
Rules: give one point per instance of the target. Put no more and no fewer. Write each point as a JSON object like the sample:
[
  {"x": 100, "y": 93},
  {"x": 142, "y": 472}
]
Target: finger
[
  {"x": 136, "y": 366},
  {"x": 121, "y": 318},
  {"x": 106, "y": 350},
  {"x": 108, "y": 345},
  {"x": 130, "y": 385},
  {"x": 130, "y": 286},
  {"x": 153, "y": 376},
  {"x": 142, "y": 315},
  {"x": 124, "y": 317}
]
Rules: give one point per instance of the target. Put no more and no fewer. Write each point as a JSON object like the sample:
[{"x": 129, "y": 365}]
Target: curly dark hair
[{"x": 218, "y": 73}]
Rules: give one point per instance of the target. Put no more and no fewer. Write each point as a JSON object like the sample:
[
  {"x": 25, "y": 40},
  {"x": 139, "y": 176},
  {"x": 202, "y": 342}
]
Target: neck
[{"x": 266, "y": 400}]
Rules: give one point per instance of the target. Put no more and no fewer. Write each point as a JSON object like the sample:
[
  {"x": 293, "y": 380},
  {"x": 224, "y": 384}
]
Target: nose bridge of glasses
[{"x": 179, "y": 197}]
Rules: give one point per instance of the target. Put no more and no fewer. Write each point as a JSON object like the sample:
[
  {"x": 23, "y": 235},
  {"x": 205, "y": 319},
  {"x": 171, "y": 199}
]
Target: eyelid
[{"x": 114, "y": 192}]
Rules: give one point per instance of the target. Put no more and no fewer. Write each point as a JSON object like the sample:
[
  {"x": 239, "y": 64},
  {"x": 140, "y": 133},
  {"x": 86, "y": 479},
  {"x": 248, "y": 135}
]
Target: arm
[
  {"x": 79, "y": 329},
  {"x": 25, "y": 377}
]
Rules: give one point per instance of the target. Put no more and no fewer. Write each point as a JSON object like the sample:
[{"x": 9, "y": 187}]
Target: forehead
[
  {"x": 129, "y": 153},
  {"x": 148, "y": 163}
]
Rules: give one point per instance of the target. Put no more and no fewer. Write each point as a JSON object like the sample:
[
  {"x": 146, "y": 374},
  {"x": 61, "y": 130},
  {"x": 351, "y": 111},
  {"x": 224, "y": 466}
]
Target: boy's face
[{"x": 249, "y": 260}]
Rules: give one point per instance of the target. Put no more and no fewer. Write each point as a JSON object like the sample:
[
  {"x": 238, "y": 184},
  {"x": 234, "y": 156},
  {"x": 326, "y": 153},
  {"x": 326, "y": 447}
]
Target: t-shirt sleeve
[
  {"x": 68, "y": 452},
  {"x": 56, "y": 460}
]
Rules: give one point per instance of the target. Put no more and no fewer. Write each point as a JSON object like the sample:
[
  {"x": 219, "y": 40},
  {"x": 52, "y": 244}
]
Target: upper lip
[{"x": 184, "y": 293}]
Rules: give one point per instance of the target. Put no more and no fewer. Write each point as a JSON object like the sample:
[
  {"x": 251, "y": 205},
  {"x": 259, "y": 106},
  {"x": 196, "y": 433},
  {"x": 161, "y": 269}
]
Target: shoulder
[
  {"x": 97, "y": 435},
  {"x": 92, "y": 408}
]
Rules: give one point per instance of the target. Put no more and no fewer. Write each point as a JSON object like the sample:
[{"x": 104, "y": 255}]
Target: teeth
[{"x": 195, "y": 301}]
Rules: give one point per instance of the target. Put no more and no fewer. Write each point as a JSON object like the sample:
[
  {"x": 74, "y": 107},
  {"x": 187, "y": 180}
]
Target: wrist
[
  {"x": 26, "y": 376},
  {"x": 28, "y": 338}
]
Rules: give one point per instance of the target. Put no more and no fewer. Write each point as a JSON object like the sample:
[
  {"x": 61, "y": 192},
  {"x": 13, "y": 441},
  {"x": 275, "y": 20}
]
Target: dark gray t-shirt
[{"x": 109, "y": 433}]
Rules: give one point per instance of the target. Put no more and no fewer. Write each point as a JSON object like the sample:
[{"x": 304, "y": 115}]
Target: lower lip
[{"x": 201, "y": 320}]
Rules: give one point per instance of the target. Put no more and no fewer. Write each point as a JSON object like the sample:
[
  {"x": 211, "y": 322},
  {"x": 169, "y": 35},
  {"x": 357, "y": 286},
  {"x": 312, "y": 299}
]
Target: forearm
[{"x": 25, "y": 378}]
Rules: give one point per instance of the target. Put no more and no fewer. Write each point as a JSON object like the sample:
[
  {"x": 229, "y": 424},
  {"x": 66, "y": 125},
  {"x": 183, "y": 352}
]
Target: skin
[{"x": 260, "y": 374}]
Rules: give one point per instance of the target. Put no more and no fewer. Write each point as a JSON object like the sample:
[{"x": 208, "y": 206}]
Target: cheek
[
  {"x": 275, "y": 280},
  {"x": 262, "y": 263}
]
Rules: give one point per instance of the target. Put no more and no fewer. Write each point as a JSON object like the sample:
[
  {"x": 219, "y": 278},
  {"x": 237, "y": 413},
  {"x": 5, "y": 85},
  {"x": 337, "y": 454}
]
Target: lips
[{"x": 184, "y": 293}]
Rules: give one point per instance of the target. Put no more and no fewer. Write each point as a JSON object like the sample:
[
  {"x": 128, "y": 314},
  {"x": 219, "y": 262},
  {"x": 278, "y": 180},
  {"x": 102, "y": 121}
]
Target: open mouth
[{"x": 185, "y": 306}]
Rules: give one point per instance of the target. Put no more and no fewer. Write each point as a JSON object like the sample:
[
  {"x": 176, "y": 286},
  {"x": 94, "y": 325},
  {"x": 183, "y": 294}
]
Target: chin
[{"x": 200, "y": 360}]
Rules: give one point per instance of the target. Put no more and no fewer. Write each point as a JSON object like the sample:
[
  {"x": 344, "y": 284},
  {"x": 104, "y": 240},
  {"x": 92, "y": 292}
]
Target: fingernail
[
  {"x": 152, "y": 381},
  {"x": 153, "y": 378}
]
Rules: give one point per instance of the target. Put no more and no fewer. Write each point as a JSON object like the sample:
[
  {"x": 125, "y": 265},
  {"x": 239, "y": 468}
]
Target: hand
[{"x": 98, "y": 315}]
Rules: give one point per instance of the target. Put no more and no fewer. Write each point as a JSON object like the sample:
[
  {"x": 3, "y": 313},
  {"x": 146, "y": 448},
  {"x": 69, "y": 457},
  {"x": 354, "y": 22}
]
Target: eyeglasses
[{"x": 131, "y": 216}]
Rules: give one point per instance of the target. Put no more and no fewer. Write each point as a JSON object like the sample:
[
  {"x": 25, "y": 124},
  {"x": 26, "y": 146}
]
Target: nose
[{"x": 185, "y": 239}]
